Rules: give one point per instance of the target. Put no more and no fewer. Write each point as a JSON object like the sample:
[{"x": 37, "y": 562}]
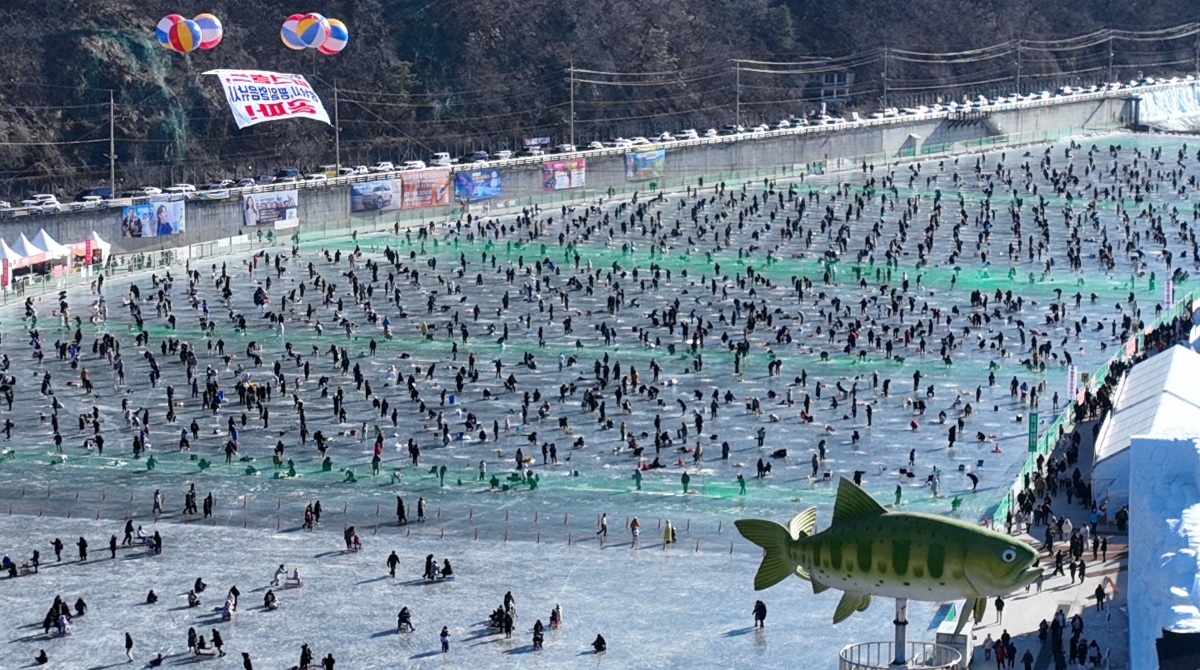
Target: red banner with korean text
[{"x": 255, "y": 96}]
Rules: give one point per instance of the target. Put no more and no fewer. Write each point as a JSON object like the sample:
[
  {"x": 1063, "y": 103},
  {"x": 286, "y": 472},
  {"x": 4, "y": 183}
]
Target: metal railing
[
  {"x": 826, "y": 127},
  {"x": 879, "y": 656}
]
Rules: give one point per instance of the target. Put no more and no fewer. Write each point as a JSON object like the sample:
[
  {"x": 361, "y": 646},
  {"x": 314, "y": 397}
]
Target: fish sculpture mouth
[{"x": 1020, "y": 580}]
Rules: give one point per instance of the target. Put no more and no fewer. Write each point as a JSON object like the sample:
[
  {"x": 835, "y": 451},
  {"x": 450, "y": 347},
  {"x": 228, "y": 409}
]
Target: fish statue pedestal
[{"x": 868, "y": 551}]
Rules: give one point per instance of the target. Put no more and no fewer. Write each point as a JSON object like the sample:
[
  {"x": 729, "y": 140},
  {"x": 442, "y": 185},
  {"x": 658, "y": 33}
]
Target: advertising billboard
[
  {"x": 559, "y": 175},
  {"x": 278, "y": 208},
  {"x": 370, "y": 197},
  {"x": 425, "y": 188},
  {"x": 477, "y": 185},
  {"x": 153, "y": 219},
  {"x": 642, "y": 165}
]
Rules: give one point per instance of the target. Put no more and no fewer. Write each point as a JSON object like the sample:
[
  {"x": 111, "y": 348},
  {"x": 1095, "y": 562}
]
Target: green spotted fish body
[{"x": 868, "y": 551}]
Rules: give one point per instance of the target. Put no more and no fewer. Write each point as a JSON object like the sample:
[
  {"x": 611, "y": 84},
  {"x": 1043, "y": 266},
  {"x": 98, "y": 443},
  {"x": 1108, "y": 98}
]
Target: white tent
[
  {"x": 27, "y": 249},
  {"x": 1156, "y": 395},
  {"x": 53, "y": 249},
  {"x": 7, "y": 253},
  {"x": 6, "y": 268},
  {"x": 100, "y": 244}
]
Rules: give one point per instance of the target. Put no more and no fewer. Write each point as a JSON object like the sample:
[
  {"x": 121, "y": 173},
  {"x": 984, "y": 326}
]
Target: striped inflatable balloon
[
  {"x": 185, "y": 36},
  {"x": 162, "y": 32},
  {"x": 290, "y": 33},
  {"x": 211, "y": 30},
  {"x": 313, "y": 30},
  {"x": 338, "y": 37}
]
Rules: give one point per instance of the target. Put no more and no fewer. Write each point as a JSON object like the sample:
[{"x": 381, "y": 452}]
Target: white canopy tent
[
  {"x": 97, "y": 243},
  {"x": 27, "y": 249},
  {"x": 8, "y": 262},
  {"x": 1157, "y": 395},
  {"x": 52, "y": 248}
]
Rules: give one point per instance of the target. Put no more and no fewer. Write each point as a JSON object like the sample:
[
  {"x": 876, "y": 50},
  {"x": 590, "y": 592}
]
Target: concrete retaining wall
[{"x": 325, "y": 209}]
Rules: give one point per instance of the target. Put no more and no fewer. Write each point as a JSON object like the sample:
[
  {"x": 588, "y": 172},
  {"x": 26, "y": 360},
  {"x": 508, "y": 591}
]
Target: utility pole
[
  {"x": 571, "y": 79},
  {"x": 1110, "y": 57},
  {"x": 885, "y": 77},
  {"x": 1018, "y": 66},
  {"x": 337, "y": 134},
  {"x": 112, "y": 144},
  {"x": 737, "y": 103}
]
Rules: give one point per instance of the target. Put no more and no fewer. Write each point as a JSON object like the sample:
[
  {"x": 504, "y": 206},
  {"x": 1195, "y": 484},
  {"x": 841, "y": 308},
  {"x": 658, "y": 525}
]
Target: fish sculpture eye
[{"x": 1008, "y": 555}]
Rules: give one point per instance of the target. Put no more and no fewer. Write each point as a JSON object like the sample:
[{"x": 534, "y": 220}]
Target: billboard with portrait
[
  {"x": 642, "y": 165},
  {"x": 559, "y": 175},
  {"x": 156, "y": 218},
  {"x": 371, "y": 197},
  {"x": 279, "y": 209},
  {"x": 477, "y": 185},
  {"x": 425, "y": 188}
]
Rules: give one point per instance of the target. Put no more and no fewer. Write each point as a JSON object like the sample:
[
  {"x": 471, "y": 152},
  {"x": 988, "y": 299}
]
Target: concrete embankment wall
[{"x": 325, "y": 209}]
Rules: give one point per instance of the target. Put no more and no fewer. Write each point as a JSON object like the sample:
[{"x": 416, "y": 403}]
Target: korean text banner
[
  {"x": 369, "y": 197},
  {"x": 255, "y": 96},
  {"x": 153, "y": 219},
  {"x": 477, "y": 185},
  {"x": 645, "y": 164},
  {"x": 278, "y": 208},
  {"x": 559, "y": 175},
  {"x": 427, "y": 188}
]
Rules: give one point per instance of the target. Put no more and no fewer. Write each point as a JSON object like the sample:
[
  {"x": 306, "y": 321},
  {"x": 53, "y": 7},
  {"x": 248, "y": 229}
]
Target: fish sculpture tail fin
[{"x": 773, "y": 538}]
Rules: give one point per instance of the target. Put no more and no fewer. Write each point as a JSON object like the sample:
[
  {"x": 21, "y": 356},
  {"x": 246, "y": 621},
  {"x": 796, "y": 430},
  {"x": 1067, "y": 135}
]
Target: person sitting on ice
[
  {"x": 202, "y": 648},
  {"x": 151, "y": 597},
  {"x": 404, "y": 620},
  {"x": 193, "y": 599},
  {"x": 141, "y": 535},
  {"x": 41, "y": 658},
  {"x": 269, "y": 600},
  {"x": 355, "y": 543},
  {"x": 447, "y": 571},
  {"x": 199, "y": 586}
]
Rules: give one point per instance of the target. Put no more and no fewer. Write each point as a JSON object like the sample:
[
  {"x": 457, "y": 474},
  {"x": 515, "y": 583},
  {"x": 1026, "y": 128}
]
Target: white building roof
[{"x": 1159, "y": 396}]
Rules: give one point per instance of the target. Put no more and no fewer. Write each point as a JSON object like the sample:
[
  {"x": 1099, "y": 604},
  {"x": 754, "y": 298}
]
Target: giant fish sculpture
[{"x": 868, "y": 551}]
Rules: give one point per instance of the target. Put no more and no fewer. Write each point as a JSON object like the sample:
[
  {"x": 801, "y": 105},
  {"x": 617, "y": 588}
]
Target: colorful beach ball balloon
[
  {"x": 338, "y": 37},
  {"x": 211, "y": 30},
  {"x": 162, "y": 32},
  {"x": 290, "y": 32},
  {"x": 184, "y": 36},
  {"x": 313, "y": 30}
]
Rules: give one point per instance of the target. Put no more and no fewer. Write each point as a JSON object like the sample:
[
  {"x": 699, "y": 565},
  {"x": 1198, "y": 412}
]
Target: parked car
[
  {"x": 266, "y": 179},
  {"x": 563, "y": 149},
  {"x": 43, "y": 201},
  {"x": 783, "y": 124},
  {"x": 638, "y": 141},
  {"x": 148, "y": 190},
  {"x": 502, "y": 155},
  {"x": 182, "y": 188},
  {"x": 245, "y": 181},
  {"x": 477, "y": 157},
  {"x": 383, "y": 166},
  {"x": 732, "y": 130},
  {"x": 666, "y": 137},
  {"x": 533, "y": 151},
  {"x": 316, "y": 177},
  {"x": 286, "y": 173},
  {"x": 413, "y": 165},
  {"x": 4, "y": 204},
  {"x": 102, "y": 192},
  {"x": 711, "y": 132},
  {"x": 441, "y": 159},
  {"x": 595, "y": 145},
  {"x": 689, "y": 134},
  {"x": 220, "y": 185},
  {"x": 620, "y": 143}
]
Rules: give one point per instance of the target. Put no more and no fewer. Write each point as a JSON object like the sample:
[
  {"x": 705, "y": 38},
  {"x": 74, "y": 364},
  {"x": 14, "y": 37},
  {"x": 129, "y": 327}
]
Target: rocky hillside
[{"x": 428, "y": 75}]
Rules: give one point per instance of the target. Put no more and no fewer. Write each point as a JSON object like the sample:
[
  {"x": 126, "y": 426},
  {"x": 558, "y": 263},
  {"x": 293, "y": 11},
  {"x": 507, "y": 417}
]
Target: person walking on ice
[{"x": 603, "y": 525}]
